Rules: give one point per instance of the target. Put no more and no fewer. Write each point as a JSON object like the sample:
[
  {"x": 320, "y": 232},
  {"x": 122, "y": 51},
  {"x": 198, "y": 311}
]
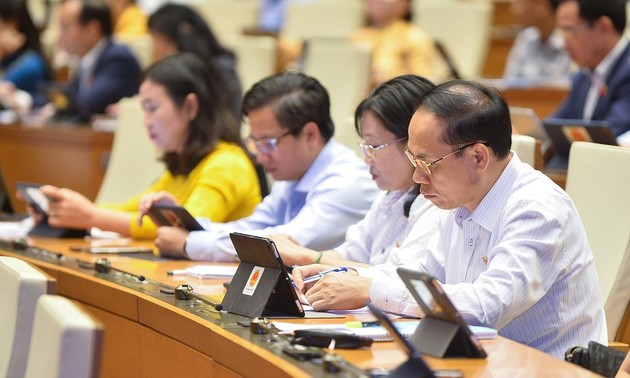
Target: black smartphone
[
  {"x": 174, "y": 216},
  {"x": 33, "y": 196}
]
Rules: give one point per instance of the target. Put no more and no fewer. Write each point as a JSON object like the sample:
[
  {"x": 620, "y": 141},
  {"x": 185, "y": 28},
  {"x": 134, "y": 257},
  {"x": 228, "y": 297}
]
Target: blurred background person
[
  {"x": 207, "y": 170},
  {"x": 537, "y": 55},
  {"x": 106, "y": 71},
  {"x": 129, "y": 19},
  {"x": 179, "y": 28},
  {"x": 398, "y": 46},
  {"x": 22, "y": 63}
]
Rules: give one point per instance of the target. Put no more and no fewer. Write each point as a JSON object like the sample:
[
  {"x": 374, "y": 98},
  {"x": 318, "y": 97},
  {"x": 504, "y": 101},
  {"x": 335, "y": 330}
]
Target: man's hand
[
  {"x": 171, "y": 241},
  {"x": 334, "y": 291}
]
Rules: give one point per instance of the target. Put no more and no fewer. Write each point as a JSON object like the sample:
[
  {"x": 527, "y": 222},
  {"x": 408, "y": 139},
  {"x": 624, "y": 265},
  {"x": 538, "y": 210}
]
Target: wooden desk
[
  {"x": 148, "y": 334},
  {"x": 67, "y": 156}
]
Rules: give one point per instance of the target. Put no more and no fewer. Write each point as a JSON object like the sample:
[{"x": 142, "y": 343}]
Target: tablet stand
[
  {"x": 43, "y": 229},
  {"x": 440, "y": 338}
]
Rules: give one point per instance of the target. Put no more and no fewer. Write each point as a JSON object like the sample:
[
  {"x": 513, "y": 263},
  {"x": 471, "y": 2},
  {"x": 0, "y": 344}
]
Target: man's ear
[
  {"x": 311, "y": 132},
  {"x": 482, "y": 156}
]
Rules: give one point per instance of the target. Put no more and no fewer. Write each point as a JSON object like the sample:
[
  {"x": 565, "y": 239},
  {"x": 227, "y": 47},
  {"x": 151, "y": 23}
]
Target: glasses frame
[
  {"x": 369, "y": 151},
  {"x": 265, "y": 146},
  {"x": 426, "y": 167}
]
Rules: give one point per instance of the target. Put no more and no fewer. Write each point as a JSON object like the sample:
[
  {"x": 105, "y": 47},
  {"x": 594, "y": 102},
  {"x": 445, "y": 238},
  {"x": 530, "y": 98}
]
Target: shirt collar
[
  {"x": 325, "y": 156},
  {"x": 604, "y": 67},
  {"x": 485, "y": 214},
  {"x": 89, "y": 60}
]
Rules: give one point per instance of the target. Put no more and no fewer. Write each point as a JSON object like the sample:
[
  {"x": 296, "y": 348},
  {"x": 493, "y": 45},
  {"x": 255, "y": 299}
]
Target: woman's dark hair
[
  {"x": 187, "y": 30},
  {"x": 394, "y": 102},
  {"x": 297, "y": 100},
  {"x": 16, "y": 10},
  {"x": 182, "y": 74},
  {"x": 472, "y": 112}
]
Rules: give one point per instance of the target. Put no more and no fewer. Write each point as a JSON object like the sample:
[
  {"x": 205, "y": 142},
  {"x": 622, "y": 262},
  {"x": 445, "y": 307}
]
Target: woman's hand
[
  {"x": 148, "y": 200},
  {"x": 67, "y": 208}
]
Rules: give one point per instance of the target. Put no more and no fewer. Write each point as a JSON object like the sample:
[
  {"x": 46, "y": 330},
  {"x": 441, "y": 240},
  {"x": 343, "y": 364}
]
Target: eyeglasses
[
  {"x": 263, "y": 145},
  {"x": 369, "y": 151},
  {"x": 573, "y": 31},
  {"x": 419, "y": 163}
]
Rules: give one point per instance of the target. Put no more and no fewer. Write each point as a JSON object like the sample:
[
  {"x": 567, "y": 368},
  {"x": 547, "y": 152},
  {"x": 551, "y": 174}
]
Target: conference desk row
[{"x": 150, "y": 333}]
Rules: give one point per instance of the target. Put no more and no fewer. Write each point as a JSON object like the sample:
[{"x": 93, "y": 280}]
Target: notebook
[{"x": 563, "y": 132}]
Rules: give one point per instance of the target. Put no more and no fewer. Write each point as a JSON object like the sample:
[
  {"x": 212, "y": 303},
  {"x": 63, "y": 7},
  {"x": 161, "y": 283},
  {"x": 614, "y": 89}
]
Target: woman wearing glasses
[
  {"x": 207, "y": 170},
  {"x": 382, "y": 120}
]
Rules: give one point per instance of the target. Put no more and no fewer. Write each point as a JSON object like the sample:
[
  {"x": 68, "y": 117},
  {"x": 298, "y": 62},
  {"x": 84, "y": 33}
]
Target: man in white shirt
[
  {"x": 537, "y": 56},
  {"x": 320, "y": 186},
  {"x": 512, "y": 254}
]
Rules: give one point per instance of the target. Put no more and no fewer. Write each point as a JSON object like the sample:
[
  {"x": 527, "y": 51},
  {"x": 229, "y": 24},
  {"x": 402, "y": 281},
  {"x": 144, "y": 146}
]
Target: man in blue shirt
[{"x": 321, "y": 187}]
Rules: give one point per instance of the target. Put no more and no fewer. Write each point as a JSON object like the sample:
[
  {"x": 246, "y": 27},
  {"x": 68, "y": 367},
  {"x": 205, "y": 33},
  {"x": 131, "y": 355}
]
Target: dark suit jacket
[
  {"x": 614, "y": 102},
  {"x": 116, "y": 74}
]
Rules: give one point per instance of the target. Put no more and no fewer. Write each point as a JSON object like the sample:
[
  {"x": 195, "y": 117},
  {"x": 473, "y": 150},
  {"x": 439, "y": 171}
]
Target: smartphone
[
  {"x": 174, "y": 216},
  {"x": 33, "y": 196}
]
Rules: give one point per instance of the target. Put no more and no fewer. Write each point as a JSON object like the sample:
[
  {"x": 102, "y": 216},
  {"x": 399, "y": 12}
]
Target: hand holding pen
[{"x": 312, "y": 273}]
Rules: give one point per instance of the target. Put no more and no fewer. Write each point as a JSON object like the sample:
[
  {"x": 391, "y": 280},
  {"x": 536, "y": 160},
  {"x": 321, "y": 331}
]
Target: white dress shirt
[
  {"x": 536, "y": 62},
  {"x": 334, "y": 193},
  {"x": 519, "y": 263},
  {"x": 385, "y": 232}
]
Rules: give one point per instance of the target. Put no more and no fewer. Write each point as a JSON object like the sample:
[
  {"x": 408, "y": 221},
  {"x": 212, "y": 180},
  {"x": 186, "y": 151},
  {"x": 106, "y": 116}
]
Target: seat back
[
  {"x": 344, "y": 70},
  {"x": 526, "y": 149},
  {"x": 463, "y": 27},
  {"x": 66, "y": 341},
  {"x": 133, "y": 162},
  {"x": 322, "y": 19},
  {"x": 228, "y": 18},
  {"x": 22, "y": 285},
  {"x": 141, "y": 47},
  {"x": 256, "y": 59},
  {"x": 599, "y": 184}
]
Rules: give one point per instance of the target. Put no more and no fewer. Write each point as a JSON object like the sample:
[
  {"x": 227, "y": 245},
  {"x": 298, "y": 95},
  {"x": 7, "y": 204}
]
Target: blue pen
[{"x": 320, "y": 275}]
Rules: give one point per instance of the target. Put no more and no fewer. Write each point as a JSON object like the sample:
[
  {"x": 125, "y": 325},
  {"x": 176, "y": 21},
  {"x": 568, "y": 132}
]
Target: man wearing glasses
[
  {"x": 593, "y": 36},
  {"x": 511, "y": 254},
  {"x": 320, "y": 187}
]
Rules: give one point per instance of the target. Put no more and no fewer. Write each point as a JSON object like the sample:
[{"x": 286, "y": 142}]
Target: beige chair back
[
  {"x": 133, "y": 162},
  {"x": 22, "y": 285},
  {"x": 344, "y": 70},
  {"x": 598, "y": 181},
  {"x": 463, "y": 27},
  {"x": 322, "y": 19},
  {"x": 229, "y": 18},
  {"x": 66, "y": 341},
  {"x": 256, "y": 59}
]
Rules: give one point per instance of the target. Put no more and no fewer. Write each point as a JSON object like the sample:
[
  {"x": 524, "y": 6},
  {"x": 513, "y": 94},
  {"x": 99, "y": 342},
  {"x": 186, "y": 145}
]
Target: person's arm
[
  {"x": 328, "y": 210},
  {"x": 67, "y": 208},
  {"x": 618, "y": 116}
]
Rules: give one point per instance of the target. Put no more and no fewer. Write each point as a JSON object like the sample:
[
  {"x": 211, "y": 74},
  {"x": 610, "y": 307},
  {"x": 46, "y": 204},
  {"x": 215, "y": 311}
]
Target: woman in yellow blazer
[{"x": 207, "y": 170}]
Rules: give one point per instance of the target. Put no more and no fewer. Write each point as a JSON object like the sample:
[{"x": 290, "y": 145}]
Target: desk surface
[{"x": 155, "y": 335}]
